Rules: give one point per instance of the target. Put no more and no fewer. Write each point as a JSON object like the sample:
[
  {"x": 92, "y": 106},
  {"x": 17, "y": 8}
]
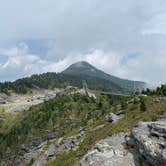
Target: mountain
[
  {"x": 83, "y": 68},
  {"x": 75, "y": 75},
  {"x": 60, "y": 80}
]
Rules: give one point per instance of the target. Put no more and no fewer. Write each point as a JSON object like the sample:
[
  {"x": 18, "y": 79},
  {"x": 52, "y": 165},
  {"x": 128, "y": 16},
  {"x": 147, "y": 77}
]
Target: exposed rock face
[
  {"x": 109, "y": 152},
  {"x": 38, "y": 143},
  {"x": 33, "y": 149},
  {"x": 70, "y": 143},
  {"x": 112, "y": 118},
  {"x": 150, "y": 139}
]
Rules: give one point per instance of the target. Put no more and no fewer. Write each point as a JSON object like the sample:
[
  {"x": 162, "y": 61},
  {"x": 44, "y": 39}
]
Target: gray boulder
[
  {"x": 109, "y": 152},
  {"x": 150, "y": 138}
]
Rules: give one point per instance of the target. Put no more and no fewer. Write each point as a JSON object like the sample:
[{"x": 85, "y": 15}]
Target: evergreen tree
[{"x": 142, "y": 105}]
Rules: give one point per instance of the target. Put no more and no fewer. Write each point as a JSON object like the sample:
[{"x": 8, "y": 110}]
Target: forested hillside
[
  {"x": 158, "y": 91},
  {"x": 75, "y": 75},
  {"x": 61, "y": 116},
  {"x": 53, "y": 80},
  {"x": 83, "y": 68}
]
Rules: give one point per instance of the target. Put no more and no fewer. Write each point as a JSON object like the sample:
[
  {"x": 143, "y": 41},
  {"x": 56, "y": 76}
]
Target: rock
[
  {"x": 32, "y": 150},
  {"x": 98, "y": 127},
  {"x": 159, "y": 99},
  {"x": 52, "y": 151},
  {"x": 82, "y": 129},
  {"x": 162, "y": 117},
  {"x": 41, "y": 161},
  {"x": 121, "y": 112},
  {"x": 134, "y": 100},
  {"x": 109, "y": 152},
  {"x": 130, "y": 142},
  {"x": 71, "y": 143},
  {"x": 64, "y": 145},
  {"x": 150, "y": 139},
  {"x": 112, "y": 118},
  {"x": 2, "y": 102}
]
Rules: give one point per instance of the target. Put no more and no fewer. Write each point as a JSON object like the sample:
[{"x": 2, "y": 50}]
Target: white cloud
[
  {"x": 20, "y": 63},
  {"x": 103, "y": 33},
  {"x": 156, "y": 25}
]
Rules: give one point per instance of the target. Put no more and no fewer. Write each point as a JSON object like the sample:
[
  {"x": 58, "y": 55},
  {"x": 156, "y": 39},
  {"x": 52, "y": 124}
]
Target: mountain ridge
[
  {"x": 74, "y": 75},
  {"x": 84, "y": 68}
]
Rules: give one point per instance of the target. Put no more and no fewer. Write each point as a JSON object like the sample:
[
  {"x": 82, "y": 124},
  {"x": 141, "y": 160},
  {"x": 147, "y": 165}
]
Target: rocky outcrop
[
  {"x": 31, "y": 150},
  {"x": 109, "y": 152},
  {"x": 62, "y": 145},
  {"x": 150, "y": 138},
  {"x": 40, "y": 150},
  {"x": 145, "y": 145},
  {"x": 40, "y": 142},
  {"x": 113, "y": 118}
]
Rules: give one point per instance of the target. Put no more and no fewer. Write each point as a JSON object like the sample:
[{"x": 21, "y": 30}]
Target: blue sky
[{"x": 123, "y": 38}]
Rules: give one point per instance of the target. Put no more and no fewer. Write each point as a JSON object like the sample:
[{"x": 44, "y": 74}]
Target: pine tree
[{"x": 143, "y": 105}]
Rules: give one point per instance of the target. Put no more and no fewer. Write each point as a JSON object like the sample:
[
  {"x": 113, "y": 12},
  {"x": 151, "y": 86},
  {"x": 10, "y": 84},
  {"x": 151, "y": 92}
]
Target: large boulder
[
  {"x": 150, "y": 138},
  {"x": 109, "y": 152}
]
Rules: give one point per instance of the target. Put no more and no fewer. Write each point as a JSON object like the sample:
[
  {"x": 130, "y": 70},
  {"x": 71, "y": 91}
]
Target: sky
[{"x": 124, "y": 38}]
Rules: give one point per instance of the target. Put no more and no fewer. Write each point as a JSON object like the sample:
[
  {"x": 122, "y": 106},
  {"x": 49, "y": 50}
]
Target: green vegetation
[
  {"x": 123, "y": 104},
  {"x": 132, "y": 117},
  {"x": 70, "y": 113},
  {"x": 142, "y": 104},
  {"x": 74, "y": 76},
  {"x": 53, "y": 80},
  {"x": 159, "y": 91},
  {"x": 85, "y": 69}
]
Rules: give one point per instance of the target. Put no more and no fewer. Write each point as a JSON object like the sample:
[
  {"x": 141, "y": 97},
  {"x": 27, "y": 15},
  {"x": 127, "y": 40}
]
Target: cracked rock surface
[
  {"x": 109, "y": 152},
  {"x": 150, "y": 138}
]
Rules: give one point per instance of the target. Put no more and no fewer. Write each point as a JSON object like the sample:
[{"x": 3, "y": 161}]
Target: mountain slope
[
  {"x": 83, "y": 68},
  {"x": 53, "y": 80},
  {"x": 53, "y": 122}
]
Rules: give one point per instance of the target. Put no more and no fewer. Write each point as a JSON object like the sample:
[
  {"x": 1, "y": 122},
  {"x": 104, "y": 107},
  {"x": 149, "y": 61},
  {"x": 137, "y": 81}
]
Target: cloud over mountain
[{"x": 124, "y": 38}]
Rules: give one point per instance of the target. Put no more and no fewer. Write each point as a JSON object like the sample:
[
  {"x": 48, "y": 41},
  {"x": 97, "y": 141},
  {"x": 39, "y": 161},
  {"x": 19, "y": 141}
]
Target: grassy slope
[
  {"x": 68, "y": 112},
  {"x": 132, "y": 117},
  {"x": 72, "y": 113}
]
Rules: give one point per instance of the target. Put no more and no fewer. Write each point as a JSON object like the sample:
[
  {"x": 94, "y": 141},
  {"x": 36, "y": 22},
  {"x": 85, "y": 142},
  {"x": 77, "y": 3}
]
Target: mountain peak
[
  {"x": 81, "y": 64},
  {"x": 84, "y": 69}
]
